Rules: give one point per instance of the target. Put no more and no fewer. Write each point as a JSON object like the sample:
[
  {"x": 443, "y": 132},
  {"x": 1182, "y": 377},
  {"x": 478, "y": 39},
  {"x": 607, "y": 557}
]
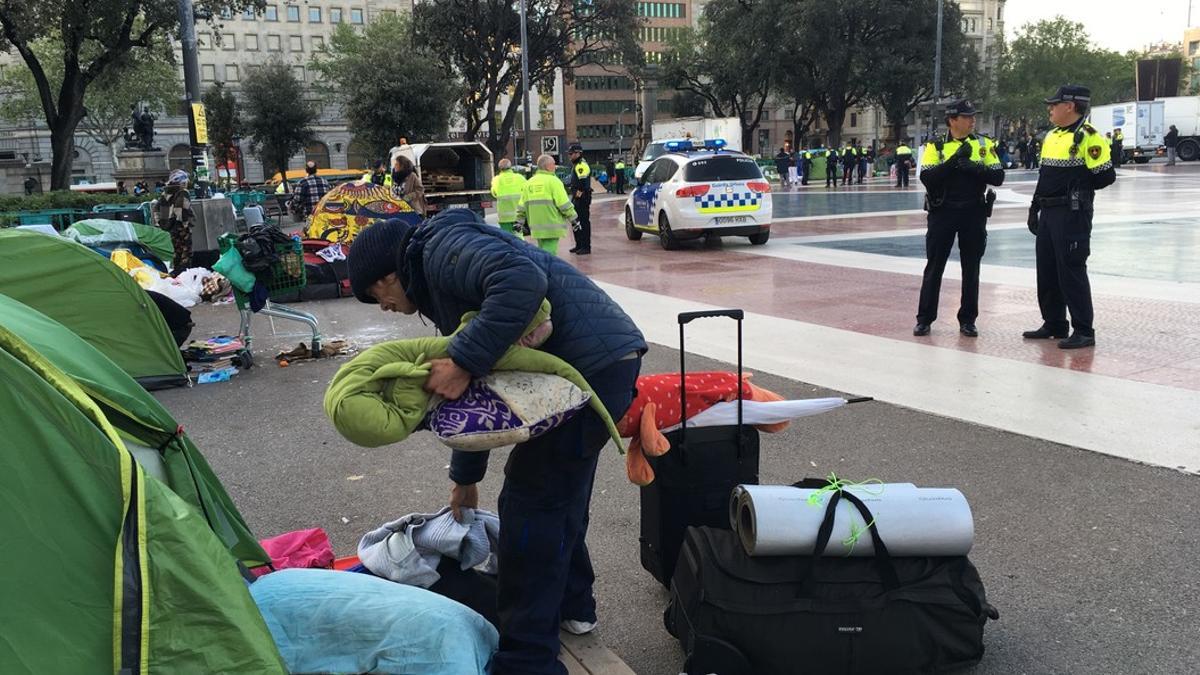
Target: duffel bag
[{"x": 734, "y": 614}]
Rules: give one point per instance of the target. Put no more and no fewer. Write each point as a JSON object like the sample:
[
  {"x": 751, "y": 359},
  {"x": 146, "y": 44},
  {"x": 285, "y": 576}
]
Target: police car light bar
[
  {"x": 676, "y": 146},
  {"x": 714, "y": 143}
]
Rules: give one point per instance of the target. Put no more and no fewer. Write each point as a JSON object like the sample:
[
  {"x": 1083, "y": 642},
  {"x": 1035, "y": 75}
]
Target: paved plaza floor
[{"x": 1080, "y": 466}]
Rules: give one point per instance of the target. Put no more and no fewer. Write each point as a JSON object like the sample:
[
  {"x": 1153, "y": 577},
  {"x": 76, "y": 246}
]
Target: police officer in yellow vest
[
  {"x": 904, "y": 160},
  {"x": 544, "y": 209},
  {"x": 956, "y": 171},
  {"x": 507, "y": 187},
  {"x": 1075, "y": 162},
  {"x": 581, "y": 197},
  {"x": 619, "y": 169}
]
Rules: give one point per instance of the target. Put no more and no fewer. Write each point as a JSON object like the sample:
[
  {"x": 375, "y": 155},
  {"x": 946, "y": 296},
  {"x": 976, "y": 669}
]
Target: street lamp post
[
  {"x": 525, "y": 83},
  {"x": 937, "y": 73},
  {"x": 621, "y": 132}
]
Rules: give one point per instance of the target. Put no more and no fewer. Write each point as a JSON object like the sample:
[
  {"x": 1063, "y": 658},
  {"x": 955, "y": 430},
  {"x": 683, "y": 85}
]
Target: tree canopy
[
  {"x": 1051, "y": 53},
  {"x": 278, "y": 118},
  {"x": 224, "y": 121},
  {"x": 482, "y": 40},
  {"x": 144, "y": 77},
  {"x": 96, "y": 36},
  {"x": 384, "y": 91}
]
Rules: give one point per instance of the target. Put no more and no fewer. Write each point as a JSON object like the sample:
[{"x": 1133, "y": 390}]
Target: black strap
[{"x": 883, "y": 559}]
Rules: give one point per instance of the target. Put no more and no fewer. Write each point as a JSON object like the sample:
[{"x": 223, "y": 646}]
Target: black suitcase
[
  {"x": 738, "y": 615},
  {"x": 693, "y": 481}
]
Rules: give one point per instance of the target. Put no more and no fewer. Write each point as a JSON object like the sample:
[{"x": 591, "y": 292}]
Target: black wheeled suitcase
[{"x": 693, "y": 481}]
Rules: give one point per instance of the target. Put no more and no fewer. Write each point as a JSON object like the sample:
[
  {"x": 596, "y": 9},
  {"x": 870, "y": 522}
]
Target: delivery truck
[
  {"x": 1184, "y": 113},
  {"x": 1141, "y": 122},
  {"x": 679, "y": 128},
  {"x": 455, "y": 175}
]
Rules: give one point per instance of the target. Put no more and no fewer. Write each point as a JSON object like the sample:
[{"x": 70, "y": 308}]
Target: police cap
[
  {"x": 960, "y": 107},
  {"x": 574, "y": 147},
  {"x": 1071, "y": 92}
]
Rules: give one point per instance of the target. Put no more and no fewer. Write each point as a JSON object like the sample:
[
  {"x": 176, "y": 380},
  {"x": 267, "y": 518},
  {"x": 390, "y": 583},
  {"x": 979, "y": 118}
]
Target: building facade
[{"x": 229, "y": 48}]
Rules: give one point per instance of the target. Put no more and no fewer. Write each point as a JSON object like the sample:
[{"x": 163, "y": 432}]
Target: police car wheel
[
  {"x": 631, "y": 232},
  {"x": 668, "y": 240},
  {"x": 760, "y": 238}
]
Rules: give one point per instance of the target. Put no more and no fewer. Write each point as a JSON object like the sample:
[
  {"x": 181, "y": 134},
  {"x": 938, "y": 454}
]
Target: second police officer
[
  {"x": 1075, "y": 162},
  {"x": 581, "y": 197},
  {"x": 956, "y": 171}
]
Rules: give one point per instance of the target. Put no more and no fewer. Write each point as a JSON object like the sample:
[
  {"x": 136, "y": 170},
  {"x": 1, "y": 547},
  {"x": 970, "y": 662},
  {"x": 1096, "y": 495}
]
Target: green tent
[
  {"x": 102, "y": 231},
  {"x": 94, "y": 298},
  {"x": 106, "y": 565},
  {"x": 156, "y": 440}
]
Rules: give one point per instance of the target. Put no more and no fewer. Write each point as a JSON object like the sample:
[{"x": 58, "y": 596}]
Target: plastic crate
[
  {"x": 61, "y": 219},
  {"x": 242, "y": 199},
  {"x": 133, "y": 212}
]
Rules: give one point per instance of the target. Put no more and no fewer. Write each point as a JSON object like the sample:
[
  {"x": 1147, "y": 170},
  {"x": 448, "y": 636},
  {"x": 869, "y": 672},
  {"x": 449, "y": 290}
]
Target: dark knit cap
[{"x": 373, "y": 255}]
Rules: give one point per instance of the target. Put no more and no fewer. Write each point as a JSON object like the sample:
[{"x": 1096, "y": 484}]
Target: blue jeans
[{"x": 545, "y": 572}]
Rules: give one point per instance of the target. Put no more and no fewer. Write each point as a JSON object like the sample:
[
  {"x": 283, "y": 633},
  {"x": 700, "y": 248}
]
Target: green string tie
[{"x": 871, "y": 486}]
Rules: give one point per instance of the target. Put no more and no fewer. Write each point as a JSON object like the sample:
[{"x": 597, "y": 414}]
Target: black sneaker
[
  {"x": 1078, "y": 341},
  {"x": 1042, "y": 333},
  {"x": 921, "y": 329},
  {"x": 968, "y": 329},
  {"x": 582, "y": 251}
]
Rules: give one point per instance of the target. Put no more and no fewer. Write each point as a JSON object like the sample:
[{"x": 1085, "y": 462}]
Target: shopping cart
[{"x": 287, "y": 277}]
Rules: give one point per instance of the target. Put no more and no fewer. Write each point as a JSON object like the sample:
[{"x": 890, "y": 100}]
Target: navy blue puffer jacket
[{"x": 454, "y": 263}]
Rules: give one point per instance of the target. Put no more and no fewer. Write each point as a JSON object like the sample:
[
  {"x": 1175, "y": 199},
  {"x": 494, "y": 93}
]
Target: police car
[{"x": 700, "y": 191}]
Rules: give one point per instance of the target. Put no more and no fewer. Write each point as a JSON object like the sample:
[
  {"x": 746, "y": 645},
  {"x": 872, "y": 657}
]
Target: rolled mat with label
[{"x": 776, "y": 520}]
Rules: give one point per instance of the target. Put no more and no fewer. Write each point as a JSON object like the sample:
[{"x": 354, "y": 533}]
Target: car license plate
[
  {"x": 731, "y": 220},
  {"x": 456, "y": 206}
]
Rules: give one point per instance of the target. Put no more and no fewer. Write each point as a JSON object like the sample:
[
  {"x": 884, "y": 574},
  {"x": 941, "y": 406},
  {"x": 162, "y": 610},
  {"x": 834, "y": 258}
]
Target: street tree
[
  {"x": 482, "y": 39},
  {"x": 96, "y": 37},
  {"x": 278, "y": 117},
  {"x": 385, "y": 94},
  {"x": 1053, "y": 52},
  {"x": 904, "y": 81},
  {"x": 836, "y": 46},
  {"x": 224, "y": 122},
  {"x": 144, "y": 77},
  {"x": 730, "y": 61}
]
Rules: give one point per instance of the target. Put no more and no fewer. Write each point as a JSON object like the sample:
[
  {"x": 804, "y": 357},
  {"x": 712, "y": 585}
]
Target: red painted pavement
[{"x": 1142, "y": 340}]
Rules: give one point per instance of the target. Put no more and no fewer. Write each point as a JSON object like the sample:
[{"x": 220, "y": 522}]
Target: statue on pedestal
[{"x": 141, "y": 137}]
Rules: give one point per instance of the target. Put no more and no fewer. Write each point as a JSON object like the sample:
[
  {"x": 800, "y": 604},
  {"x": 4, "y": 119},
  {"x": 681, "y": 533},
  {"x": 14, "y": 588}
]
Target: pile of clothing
[{"x": 216, "y": 359}]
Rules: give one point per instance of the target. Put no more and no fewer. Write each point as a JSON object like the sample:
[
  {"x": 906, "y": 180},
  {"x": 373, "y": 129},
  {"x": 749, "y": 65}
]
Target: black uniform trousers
[
  {"x": 546, "y": 572},
  {"x": 831, "y": 174},
  {"x": 583, "y": 210},
  {"x": 902, "y": 174},
  {"x": 969, "y": 225},
  {"x": 1063, "y": 246}
]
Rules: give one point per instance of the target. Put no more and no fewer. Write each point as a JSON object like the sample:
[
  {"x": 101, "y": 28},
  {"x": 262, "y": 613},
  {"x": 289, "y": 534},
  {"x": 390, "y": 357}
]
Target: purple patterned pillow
[{"x": 505, "y": 408}]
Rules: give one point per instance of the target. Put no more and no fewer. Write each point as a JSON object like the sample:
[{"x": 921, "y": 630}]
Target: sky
[{"x": 1108, "y": 22}]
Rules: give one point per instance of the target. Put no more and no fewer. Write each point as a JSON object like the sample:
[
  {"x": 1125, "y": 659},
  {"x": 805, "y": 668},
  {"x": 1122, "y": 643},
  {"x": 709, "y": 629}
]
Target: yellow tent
[{"x": 346, "y": 209}]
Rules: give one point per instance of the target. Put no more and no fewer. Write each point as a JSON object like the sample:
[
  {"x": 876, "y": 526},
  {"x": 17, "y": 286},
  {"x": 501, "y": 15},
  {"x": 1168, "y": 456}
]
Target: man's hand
[
  {"x": 965, "y": 164},
  {"x": 1032, "y": 223},
  {"x": 575, "y": 226},
  {"x": 446, "y": 379},
  {"x": 463, "y": 497}
]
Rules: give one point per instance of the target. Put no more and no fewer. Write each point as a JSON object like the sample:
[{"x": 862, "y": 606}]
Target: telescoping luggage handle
[{"x": 686, "y": 318}]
